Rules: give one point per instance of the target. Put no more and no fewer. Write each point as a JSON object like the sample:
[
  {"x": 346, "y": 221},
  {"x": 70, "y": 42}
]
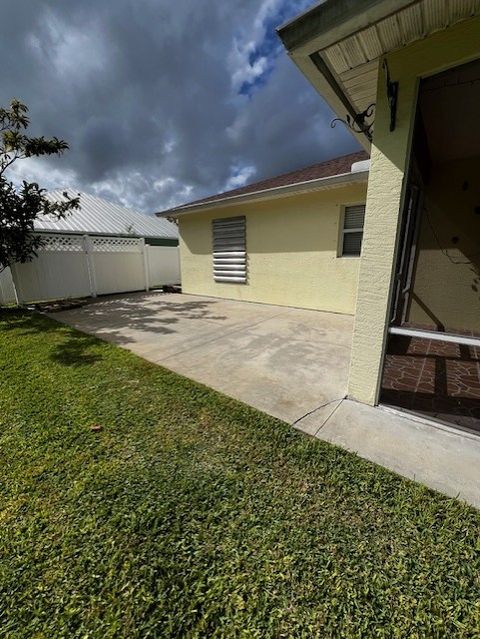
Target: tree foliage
[{"x": 20, "y": 206}]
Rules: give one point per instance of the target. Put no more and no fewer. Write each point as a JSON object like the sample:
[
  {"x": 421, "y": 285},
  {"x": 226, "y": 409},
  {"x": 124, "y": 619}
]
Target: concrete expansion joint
[{"x": 311, "y": 412}]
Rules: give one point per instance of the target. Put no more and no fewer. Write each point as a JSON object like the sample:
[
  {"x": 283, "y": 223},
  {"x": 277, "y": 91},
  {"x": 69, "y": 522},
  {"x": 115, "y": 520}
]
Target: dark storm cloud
[{"x": 162, "y": 102}]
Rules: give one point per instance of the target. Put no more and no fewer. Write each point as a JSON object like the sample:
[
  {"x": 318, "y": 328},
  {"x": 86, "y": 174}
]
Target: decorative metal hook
[
  {"x": 359, "y": 122},
  {"x": 392, "y": 95}
]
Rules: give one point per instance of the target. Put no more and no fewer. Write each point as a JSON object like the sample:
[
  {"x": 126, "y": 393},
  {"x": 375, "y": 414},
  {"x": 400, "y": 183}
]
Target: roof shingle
[{"x": 330, "y": 168}]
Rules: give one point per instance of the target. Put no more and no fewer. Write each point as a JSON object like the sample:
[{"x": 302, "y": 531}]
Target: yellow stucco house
[
  {"x": 405, "y": 76},
  {"x": 280, "y": 241}
]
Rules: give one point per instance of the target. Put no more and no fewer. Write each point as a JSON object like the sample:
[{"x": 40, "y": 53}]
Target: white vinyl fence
[
  {"x": 7, "y": 288},
  {"x": 70, "y": 266}
]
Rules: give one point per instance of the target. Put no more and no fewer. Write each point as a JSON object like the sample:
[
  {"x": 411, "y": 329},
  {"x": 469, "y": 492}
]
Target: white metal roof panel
[{"x": 100, "y": 216}]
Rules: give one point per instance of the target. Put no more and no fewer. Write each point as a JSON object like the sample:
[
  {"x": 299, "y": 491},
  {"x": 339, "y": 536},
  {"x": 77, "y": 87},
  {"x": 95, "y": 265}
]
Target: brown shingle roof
[{"x": 336, "y": 166}]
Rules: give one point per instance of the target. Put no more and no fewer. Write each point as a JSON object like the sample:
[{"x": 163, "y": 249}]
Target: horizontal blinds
[
  {"x": 354, "y": 217},
  {"x": 353, "y": 221},
  {"x": 352, "y": 243},
  {"x": 229, "y": 250}
]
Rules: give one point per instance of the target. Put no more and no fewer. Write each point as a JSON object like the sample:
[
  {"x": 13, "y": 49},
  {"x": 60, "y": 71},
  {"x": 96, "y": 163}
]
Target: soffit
[{"x": 354, "y": 60}]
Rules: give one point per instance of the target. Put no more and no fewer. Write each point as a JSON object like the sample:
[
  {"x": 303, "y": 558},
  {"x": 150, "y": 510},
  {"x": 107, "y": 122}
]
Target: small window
[
  {"x": 229, "y": 250},
  {"x": 352, "y": 232}
]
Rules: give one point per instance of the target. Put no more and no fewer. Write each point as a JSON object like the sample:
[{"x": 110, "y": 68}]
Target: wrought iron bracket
[
  {"x": 359, "y": 123},
  {"x": 392, "y": 95}
]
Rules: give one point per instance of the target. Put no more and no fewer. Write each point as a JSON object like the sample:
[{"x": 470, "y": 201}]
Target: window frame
[{"x": 343, "y": 230}]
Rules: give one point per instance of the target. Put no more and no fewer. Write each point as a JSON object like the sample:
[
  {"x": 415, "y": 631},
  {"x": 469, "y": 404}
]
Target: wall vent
[{"x": 229, "y": 250}]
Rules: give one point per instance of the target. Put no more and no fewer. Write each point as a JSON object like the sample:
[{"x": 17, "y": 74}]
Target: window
[
  {"x": 229, "y": 250},
  {"x": 352, "y": 232}
]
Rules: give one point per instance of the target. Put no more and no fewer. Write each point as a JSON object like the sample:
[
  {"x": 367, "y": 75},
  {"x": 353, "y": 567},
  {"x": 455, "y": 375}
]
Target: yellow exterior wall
[
  {"x": 390, "y": 154},
  {"x": 446, "y": 289},
  {"x": 292, "y": 246}
]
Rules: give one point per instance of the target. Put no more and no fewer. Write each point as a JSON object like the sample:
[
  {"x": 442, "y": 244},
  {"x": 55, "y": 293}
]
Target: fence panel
[
  {"x": 59, "y": 271},
  {"x": 70, "y": 266},
  {"x": 7, "y": 288},
  {"x": 118, "y": 264},
  {"x": 163, "y": 265}
]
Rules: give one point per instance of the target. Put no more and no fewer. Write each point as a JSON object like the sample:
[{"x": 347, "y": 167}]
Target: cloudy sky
[{"x": 162, "y": 102}]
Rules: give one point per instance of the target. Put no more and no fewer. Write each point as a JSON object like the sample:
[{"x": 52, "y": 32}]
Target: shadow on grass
[{"x": 74, "y": 349}]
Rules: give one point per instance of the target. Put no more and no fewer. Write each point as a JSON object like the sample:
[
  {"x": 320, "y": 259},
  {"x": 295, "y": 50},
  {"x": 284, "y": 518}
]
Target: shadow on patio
[{"x": 119, "y": 318}]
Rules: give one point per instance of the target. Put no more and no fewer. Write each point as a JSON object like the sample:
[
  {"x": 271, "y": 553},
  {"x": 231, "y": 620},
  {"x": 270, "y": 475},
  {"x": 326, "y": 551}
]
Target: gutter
[{"x": 310, "y": 186}]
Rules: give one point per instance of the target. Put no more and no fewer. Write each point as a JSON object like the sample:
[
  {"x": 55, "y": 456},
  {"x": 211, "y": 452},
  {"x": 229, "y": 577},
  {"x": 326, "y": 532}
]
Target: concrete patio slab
[
  {"x": 283, "y": 361},
  {"x": 290, "y": 363}
]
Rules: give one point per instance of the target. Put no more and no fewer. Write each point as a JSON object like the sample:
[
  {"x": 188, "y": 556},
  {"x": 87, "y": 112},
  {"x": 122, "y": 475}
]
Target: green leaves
[
  {"x": 16, "y": 144},
  {"x": 35, "y": 147},
  {"x": 15, "y": 117},
  {"x": 18, "y": 210},
  {"x": 20, "y": 207}
]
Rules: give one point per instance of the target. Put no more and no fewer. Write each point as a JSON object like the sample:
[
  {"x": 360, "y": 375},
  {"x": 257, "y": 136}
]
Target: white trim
[
  {"x": 453, "y": 338},
  {"x": 278, "y": 191}
]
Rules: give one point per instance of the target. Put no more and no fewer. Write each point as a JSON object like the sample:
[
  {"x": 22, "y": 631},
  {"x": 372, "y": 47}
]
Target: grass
[{"x": 190, "y": 515}]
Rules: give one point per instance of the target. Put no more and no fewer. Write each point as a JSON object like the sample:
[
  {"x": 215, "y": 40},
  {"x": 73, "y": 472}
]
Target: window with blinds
[
  {"x": 352, "y": 232},
  {"x": 230, "y": 250}
]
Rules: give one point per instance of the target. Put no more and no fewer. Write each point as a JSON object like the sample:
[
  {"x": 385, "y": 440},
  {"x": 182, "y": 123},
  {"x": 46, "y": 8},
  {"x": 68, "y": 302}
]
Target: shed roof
[
  {"x": 100, "y": 216},
  {"x": 330, "y": 168}
]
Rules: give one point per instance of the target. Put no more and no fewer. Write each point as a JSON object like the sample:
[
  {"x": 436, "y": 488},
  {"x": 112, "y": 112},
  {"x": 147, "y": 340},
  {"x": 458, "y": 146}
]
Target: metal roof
[
  {"x": 338, "y": 44},
  {"x": 100, "y": 216}
]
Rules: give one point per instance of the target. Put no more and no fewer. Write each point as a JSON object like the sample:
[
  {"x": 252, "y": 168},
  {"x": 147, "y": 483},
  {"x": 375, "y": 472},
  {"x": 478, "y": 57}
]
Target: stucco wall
[
  {"x": 390, "y": 152},
  {"x": 292, "y": 246},
  {"x": 446, "y": 286}
]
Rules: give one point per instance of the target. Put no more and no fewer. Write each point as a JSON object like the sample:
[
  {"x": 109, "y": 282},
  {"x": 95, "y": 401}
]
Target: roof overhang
[
  {"x": 338, "y": 44},
  {"x": 356, "y": 176}
]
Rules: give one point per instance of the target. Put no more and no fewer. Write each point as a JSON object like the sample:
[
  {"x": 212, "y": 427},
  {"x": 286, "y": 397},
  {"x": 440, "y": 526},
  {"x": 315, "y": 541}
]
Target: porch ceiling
[{"x": 338, "y": 44}]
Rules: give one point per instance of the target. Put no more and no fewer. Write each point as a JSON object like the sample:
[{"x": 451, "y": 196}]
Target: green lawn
[{"x": 191, "y": 515}]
